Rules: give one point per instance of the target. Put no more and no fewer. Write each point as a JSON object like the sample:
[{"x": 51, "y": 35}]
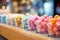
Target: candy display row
[
  {"x": 11, "y": 19},
  {"x": 43, "y": 24}
]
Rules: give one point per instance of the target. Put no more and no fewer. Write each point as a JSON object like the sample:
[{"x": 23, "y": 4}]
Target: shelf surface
[{"x": 14, "y": 33}]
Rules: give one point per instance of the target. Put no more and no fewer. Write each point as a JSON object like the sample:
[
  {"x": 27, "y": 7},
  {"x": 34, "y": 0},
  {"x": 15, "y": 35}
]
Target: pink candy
[
  {"x": 56, "y": 29},
  {"x": 58, "y": 24},
  {"x": 57, "y": 33},
  {"x": 42, "y": 24},
  {"x": 31, "y": 22},
  {"x": 45, "y": 16}
]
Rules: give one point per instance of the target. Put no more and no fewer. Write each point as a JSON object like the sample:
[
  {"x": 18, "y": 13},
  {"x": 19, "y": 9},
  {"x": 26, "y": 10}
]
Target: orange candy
[
  {"x": 52, "y": 32},
  {"x": 50, "y": 19},
  {"x": 50, "y": 28},
  {"x": 56, "y": 16},
  {"x": 54, "y": 21}
]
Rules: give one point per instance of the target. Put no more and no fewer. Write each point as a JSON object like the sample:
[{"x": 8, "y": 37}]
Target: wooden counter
[{"x": 13, "y": 33}]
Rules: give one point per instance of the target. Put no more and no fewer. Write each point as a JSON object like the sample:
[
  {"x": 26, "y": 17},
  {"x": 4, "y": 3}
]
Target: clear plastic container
[
  {"x": 13, "y": 20},
  {"x": 8, "y": 20},
  {"x": 51, "y": 29},
  {"x": 54, "y": 27},
  {"x": 18, "y": 21},
  {"x": 24, "y": 21},
  {"x": 41, "y": 27},
  {"x": 3, "y": 19},
  {"x": 31, "y": 22},
  {"x": 0, "y": 18}
]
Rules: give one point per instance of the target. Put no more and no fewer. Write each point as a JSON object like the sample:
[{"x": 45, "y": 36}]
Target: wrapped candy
[
  {"x": 42, "y": 24},
  {"x": 31, "y": 22}
]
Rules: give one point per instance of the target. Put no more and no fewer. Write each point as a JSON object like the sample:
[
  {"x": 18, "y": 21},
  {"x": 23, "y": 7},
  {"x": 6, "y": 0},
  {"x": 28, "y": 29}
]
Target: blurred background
[{"x": 40, "y": 7}]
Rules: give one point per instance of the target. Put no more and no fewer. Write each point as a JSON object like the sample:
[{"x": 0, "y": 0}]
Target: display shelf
[{"x": 14, "y": 33}]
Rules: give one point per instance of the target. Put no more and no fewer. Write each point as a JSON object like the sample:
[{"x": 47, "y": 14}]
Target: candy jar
[
  {"x": 18, "y": 21},
  {"x": 31, "y": 22},
  {"x": 8, "y": 20},
  {"x": 42, "y": 24},
  {"x": 54, "y": 26},
  {"x": 51, "y": 29},
  {"x": 0, "y": 18},
  {"x": 51, "y": 26},
  {"x": 24, "y": 21},
  {"x": 13, "y": 21},
  {"x": 57, "y": 28},
  {"x": 3, "y": 19}
]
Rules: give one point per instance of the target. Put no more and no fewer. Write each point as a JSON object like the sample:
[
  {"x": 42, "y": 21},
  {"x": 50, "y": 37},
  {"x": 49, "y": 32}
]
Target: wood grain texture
[{"x": 12, "y": 33}]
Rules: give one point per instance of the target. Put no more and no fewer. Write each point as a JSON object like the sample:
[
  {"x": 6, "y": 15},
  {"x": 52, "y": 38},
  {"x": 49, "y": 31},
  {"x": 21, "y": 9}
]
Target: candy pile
[
  {"x": 42, "y": 24},
  {"x": 24, "y": 21},
  {"x": 54, "y": 26},
  {"x": 31, "y": 22}
]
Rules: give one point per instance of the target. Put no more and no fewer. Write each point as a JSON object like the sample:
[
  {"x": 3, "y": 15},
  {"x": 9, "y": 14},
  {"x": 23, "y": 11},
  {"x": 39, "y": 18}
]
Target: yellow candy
[
  {"x": 18, "y": 21},
  {"x": 18, "y": 16}
]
